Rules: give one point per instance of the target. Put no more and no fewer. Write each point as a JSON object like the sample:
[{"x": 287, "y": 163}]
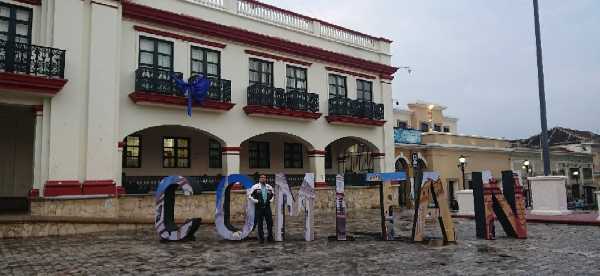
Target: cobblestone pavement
[{"x": 550, "y": 250}]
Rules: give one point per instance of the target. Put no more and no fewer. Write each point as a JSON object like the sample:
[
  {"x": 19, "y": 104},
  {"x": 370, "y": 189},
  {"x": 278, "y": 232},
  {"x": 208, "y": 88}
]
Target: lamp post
[
  {"x": 576, "y": 175},
  {"x": 462, "y": 161},
  {"x": 528, "y": 192}
]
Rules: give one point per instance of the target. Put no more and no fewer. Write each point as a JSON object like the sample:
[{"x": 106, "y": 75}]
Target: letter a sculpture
[
  {"x": 285, "y": 202},
  {"x": 433, "y": 190},
  {"x": 491, "y": 203},
  {"x": 306, "y": 202}
]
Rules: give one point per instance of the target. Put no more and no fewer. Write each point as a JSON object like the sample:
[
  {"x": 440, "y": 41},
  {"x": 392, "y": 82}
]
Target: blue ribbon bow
[{"x": 195, "y": 90}]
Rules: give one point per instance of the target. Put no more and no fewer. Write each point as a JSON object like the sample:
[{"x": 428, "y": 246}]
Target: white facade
[{"x": 80, "y": 131}]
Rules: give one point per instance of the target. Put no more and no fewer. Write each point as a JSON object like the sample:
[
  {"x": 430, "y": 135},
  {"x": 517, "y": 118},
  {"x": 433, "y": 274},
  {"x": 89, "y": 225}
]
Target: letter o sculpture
[
  {"x": 224, "y": 228},
  {"x": 165, "y": 204}
]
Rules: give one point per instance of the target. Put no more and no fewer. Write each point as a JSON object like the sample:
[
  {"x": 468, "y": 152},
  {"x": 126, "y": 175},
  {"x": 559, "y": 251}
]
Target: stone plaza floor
[{"x": 551, "y": 249}]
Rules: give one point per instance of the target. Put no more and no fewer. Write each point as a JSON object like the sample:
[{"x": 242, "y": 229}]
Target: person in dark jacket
[{"x": 262, "y": 195}]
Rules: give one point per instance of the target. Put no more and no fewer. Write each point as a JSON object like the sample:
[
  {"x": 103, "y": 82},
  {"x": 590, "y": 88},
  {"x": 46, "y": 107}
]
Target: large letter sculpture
[
  {"x": 224, "y": 228},
  {"x": 340, "y": 209},
  {"x": 433, "y": 189},
  {"x": 306, "y": 202},
  {"x": 285, "y": 202},
  {"x": 165, "y": 203},
  {"x": 491, "y": 203},
  {"x": 385, "y": 188}
]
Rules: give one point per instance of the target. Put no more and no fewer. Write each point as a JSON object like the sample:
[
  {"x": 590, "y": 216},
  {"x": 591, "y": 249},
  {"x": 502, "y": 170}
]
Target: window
[
  {"x": 446, "y": 129},
  {"x": 292, "y": 155},
  {"x": 437, "y": 128},
  {"x": 337, "y": 86},
  {"x": 132, "y": 154},
  {"x": 206, "y": 62},
  {"x": 364, "y": 90},
  {"x": 296, "y": 78},
  {"x": 261, "y": 72},
  {"x": 156, "y": 53},
  {"x": 214, "y": 154},
  {"x": 424, "y": 127},
  {"x": 15, "y": 24},
  {"x": 176, "y": 152},
  {"x": 328, "y": 160},
  {"x": 401, "y": 124},
  {"x": 260, "y": 156}
]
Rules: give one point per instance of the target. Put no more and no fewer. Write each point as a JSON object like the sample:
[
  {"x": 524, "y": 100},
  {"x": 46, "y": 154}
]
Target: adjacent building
[{"x": 89, "y": 105}]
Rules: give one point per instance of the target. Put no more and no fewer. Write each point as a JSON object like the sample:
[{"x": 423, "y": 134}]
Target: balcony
[
  {"x": 347, "y": 111},
  {"x": 31, "y": 69},
  {"x": 264, "y": 100},
  {"x": 155, "y": 87}
]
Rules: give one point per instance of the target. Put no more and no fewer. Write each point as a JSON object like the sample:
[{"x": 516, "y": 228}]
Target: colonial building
[{"x": 88, "y": 102}]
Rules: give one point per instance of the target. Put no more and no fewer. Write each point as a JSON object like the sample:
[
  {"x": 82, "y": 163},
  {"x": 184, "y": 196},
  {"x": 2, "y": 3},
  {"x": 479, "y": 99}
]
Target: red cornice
[
  {"x": 266, "y": 55},
  {"x": 178, "y": 36},
  {"x": 145, "y": 97},
  {"x": 193, "y": 24},
  {"x": 99, "y": 187},
  {"x": 353, "y": 120},
  {"x": 29, "y": 83},
  {"x": 230, "y": 149},
  {"x": 387, "y": 77},
  {"x": 317, "y": 152},
  {"x": 356, "y": 74},
  {"x": 315, "y": 19},
  {"x": 62, "y": 187},
  {"x": 30, "y": 2},
  {"x": 267, "y": 110}
]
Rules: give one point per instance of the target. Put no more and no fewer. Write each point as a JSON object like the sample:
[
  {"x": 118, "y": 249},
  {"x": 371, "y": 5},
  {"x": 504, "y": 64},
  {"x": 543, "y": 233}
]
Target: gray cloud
[{"x": 478, "y": 57}]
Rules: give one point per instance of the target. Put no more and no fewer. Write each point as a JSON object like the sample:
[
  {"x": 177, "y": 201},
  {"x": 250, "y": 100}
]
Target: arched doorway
[
  {"x": 155, "y": 152},
  {"x": 352, "y": 157},
  {"x": 274, "y": 152},
  {"x": 404, "y": 186}
]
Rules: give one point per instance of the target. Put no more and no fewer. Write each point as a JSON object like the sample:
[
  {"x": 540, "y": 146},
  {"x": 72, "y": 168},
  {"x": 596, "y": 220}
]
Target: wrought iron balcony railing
[
  {"x": 160, "y": 82},
  {"x": 264, "y": 95},
  {"x": 31, "y": 59},
  {"x": 355, "y": 108}
]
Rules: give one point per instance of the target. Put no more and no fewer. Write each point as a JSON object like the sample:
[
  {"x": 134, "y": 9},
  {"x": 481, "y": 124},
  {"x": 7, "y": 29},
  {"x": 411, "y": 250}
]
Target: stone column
[
  {"x": 316, "y": 160},
  {"x": 37, "y": 152},
  {"x": 598, "y": 203},
  {"x": 231, "y": 155},
  {"x": 465, "y": 202},
  {"x": 549, "y": 195}
]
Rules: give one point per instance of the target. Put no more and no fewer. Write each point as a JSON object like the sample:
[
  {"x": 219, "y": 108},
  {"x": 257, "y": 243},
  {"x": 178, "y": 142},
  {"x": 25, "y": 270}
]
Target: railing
[
  {"x": 355, "y": 108},
  {"x": 348, "y": 36},
  {"x": 32, "y": 59},
  {"x": 264, "y": 95},
  {"x": 160, "y": 82},
  {"x": 148, "y": 184},
  {"x": 275, "y": 15}
]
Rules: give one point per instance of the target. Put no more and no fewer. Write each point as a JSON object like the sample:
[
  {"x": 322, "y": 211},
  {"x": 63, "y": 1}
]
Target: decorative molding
[
  {"x": 145, "y": 98},
  {"x": 178, "y": 36},
  {"x": 62, "y": 188},
  {"x": 99, "y": 187},
  {"x": 279, "y": 112},
  {"x": 231, "y": 150},
  {"x": 356, "y": 74},
  {"x": 34, "y": 84},
  {"x": 192, "y": 24},
  {"x": 275, "y": 57},
  {"x": 30, "y": 2},
  {"x": 339, "y": 119},
  {"x": 317, "y": 152}
]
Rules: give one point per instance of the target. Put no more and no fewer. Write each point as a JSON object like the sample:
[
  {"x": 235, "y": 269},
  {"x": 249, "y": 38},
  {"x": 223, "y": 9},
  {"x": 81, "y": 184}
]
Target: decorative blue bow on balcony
[{"x": 195, "y": 90}]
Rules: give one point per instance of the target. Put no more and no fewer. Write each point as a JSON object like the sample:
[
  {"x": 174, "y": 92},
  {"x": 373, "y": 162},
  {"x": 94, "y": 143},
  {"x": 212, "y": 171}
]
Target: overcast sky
[{"x": 478, "y": 57}]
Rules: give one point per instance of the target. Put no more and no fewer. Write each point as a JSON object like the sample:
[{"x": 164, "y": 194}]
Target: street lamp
[
  {"x": 462, "y": 161},
  {"x": 528, "y": 192},
  {"x": 576, "y": 192}
]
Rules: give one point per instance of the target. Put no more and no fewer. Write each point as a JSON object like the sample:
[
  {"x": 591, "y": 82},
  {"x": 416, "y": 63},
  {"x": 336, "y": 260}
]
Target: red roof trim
[
  {"x": 286, "y": 59},
  {"x": 230, "y": 149},
  {"x": 31, "y": 2},
  {"x": 315, "y": 19},
  {"x": 29, "y": 83},
  {"x": 145, "y": 97},
  {"x": 353, "y": 120},
  {"x": 356, "y": 74},
  {"x": 267, "y": 110},
  {"x": 193, "y": 24},
  {"x": 178, "y": 36}
]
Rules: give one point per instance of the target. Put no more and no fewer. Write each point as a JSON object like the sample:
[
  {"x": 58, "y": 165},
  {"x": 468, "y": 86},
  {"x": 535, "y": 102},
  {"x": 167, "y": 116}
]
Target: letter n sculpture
[
  {"x": 433, "y": 190},
  {"x": 491, "y": 203}
]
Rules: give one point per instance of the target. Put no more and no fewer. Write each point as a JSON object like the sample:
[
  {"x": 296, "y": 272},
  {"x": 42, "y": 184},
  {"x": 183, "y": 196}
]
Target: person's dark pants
[{"x": 264, "y": 213}]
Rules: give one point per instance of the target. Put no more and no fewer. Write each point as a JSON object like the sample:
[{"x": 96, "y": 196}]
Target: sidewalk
[{"x": 576, "y": 218}]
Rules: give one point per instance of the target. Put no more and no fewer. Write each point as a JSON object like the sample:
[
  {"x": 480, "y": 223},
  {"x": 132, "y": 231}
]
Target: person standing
[{"x": 261, "y": 194}]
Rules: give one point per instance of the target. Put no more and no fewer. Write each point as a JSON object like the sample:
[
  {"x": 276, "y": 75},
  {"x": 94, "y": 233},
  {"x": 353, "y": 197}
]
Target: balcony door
[{"x": 15, "y": 38}]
